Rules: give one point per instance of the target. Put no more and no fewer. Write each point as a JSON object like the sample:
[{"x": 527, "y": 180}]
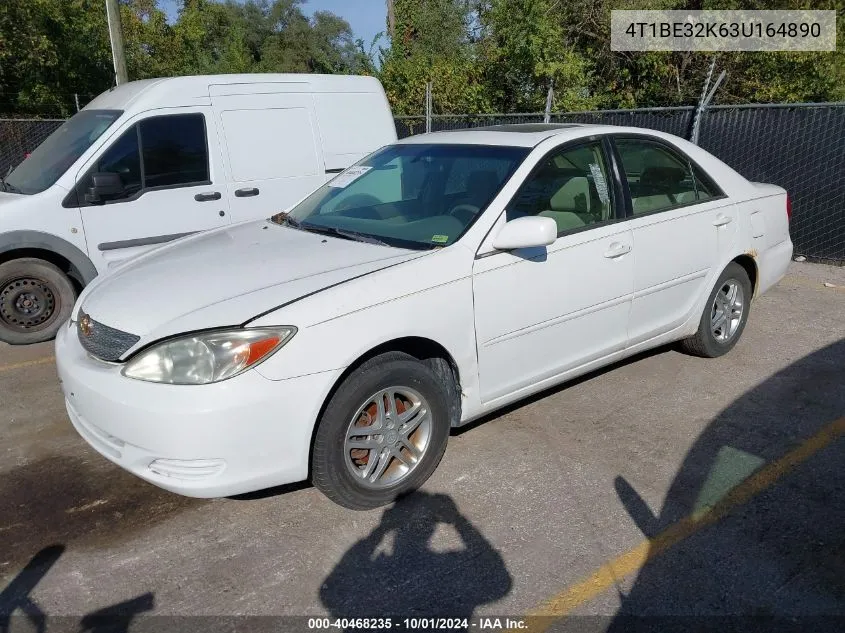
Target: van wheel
[
  {"x": 725, "y": 315},
  {"x": 36, "y": 298},
  {"x": 382, "y": 434}
]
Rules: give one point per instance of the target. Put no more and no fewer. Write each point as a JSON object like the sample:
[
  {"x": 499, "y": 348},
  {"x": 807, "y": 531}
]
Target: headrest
[{"x": 662, "y": 178}]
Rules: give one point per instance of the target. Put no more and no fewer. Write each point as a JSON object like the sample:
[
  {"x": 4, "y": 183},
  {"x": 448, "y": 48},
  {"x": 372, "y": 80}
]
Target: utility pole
[
  {"x": 391, "y": 20},
  {"x": 116, "y": 37},
  {"x": 550, "y": 97}
]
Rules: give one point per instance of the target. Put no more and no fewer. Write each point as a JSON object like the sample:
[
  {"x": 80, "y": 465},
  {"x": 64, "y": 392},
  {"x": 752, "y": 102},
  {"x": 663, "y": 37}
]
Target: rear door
[
  {"x": 172, "y": 185},
  {"x": 680, "y": 220},
  {"x": 273, "y": 157}
]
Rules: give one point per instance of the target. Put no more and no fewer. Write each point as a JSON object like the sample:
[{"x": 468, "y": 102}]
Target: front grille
[{"x": 102, "y": 341}]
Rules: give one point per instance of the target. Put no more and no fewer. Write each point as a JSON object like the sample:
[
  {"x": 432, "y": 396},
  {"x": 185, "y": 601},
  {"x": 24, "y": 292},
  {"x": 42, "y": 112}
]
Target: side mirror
[
  {"x": 103, "y": 185},
  {"x": 529, "y": 232}
]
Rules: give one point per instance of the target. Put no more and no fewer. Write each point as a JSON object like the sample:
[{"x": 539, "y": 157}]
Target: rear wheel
[
  {"x": 725, "y": 315},
  {"x": 382, "y": 434},
  {"x": 35, "y": 299}
]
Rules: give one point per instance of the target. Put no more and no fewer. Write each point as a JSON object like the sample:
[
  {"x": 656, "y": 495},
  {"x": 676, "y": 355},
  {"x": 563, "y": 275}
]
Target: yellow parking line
[
  {"x": 612, "y": 571},
  {"x": 27, "y": 363}
]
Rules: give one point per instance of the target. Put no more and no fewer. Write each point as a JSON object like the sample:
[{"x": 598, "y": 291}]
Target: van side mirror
[
  {"x": 528, "y": 232},
  {"x": 103, "y": 185}
]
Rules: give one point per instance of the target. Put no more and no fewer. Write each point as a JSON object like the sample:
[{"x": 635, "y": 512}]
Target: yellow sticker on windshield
[{"x": 439, "y": 239}]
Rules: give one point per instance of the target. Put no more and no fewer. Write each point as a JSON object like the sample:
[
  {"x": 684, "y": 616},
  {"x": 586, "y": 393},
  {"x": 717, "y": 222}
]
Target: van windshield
[
  {"x": 418, "y": 196},
  {"x": 59, "y": 151}
]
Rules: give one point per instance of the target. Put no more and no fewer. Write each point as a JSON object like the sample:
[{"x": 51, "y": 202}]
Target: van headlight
[{"x": 206, "y": 357}]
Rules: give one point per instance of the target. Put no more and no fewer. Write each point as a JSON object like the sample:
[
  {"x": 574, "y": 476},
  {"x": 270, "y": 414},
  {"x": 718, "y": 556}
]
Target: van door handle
[
  {"x": 246, "y": 193},
  {"x": 617, "y": 249},
  {"x": 207, "y": 196},
  {"x": 722, "y": 220}
]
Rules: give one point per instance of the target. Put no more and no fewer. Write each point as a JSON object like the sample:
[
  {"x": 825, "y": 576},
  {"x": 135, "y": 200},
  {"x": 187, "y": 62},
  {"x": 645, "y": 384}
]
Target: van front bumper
[{"x": 239, "y": 435}]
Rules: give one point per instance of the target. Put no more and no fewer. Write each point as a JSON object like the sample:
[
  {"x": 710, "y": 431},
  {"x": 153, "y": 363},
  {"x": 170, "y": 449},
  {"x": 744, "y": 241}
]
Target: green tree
[
  {"x": 524, "y": 50},
  {"x": 432, "y": 42},
  {"x": 50, "y": 50}
]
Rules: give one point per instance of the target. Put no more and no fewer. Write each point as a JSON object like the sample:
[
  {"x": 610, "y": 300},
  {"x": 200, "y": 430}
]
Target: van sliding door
[{"x": 272, "y": 148}]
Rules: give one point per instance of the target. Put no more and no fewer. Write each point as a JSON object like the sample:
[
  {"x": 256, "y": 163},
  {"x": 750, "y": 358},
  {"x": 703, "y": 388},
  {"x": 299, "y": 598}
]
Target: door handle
[
  {"x": 722, "y": 220},
  {"x": 246, "y": 193},
  {"x": 207, "y": 196},
  {"x": 617, "y": 249}
]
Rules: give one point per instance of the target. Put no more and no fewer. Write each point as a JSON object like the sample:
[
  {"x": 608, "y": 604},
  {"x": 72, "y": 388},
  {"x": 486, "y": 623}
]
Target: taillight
[{"x": 788, "y": 208}]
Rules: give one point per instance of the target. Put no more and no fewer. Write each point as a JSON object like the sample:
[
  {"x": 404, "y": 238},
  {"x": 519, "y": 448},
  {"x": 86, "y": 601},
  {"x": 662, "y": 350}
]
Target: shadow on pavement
[
  {"x": 16, "y": 595},
  {"x": 424, "y": 559},
  {"x": 16, "y": 602},
  {"x": 777, "y": 561}
]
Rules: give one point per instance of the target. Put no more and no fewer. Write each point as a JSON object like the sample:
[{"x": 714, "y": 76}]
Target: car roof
[{"x": 515, "y": 135}]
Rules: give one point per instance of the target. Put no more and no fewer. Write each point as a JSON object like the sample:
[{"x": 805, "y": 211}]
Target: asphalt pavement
[{"x": 665, "y": 485}]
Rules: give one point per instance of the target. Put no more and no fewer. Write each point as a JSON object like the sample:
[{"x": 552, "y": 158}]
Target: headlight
[{"x": 207, "y": 357}]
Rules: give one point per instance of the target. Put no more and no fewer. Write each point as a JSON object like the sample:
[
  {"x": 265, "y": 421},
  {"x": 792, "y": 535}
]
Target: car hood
[
  {"x": 227, "y": 277},
  {"x": 6, "y": 197}
]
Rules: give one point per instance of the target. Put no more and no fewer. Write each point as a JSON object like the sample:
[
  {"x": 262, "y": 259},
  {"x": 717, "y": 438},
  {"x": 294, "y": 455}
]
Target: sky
[{"x": 366, "y": 17}]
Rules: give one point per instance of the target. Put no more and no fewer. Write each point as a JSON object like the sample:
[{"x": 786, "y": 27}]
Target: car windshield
[
  {"x": 59, "y": 151},
  {"x": 412, "y": 196}
]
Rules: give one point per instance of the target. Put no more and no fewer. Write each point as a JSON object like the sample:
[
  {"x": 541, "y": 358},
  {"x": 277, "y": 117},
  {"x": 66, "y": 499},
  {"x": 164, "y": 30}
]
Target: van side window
[
  {"x": 162, "y": 151},
  {"x": 123, "y": 159},
  {"x": 174, "y": 149}
]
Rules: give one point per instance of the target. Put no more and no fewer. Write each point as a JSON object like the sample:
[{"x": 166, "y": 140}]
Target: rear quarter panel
[{"x": 767, "y": 226}]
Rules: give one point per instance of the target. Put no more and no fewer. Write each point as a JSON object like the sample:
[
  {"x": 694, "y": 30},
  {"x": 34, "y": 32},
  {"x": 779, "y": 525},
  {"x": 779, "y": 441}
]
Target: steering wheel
[{"x": 464, "y": 212}]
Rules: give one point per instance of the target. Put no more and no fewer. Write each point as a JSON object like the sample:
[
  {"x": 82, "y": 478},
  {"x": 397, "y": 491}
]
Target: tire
[
  {"x": 36, "y": 298},
  {"x": 340, "y": 470},
  {"x": 710, "y": 341}
]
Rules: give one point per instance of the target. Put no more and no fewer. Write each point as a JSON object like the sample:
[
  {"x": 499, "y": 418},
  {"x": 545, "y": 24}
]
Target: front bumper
[{"x": 231, "y": 437}]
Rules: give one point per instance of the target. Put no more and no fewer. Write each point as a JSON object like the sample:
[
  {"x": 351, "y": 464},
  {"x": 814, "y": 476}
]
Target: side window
[
  {"x": 122, "y": 158},
  {"x": 174, "y": 153},
  {"x": 174, "y": 150},
  {"x": 572, "y": 187},
  {"x": 704, "y": 187},
  {"x": 658, "y": 179}
]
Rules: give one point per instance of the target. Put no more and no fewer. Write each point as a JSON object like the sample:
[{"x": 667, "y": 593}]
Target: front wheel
[
  {"x": 35, "y": 299},
  {"x": 382, "y": 434},
  {"x": 725, "y": 315}
]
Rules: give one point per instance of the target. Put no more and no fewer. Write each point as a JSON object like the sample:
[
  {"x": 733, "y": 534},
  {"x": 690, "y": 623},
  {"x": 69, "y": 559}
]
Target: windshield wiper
[
  {"x": 342, "y": 233},
  {"x": 9, "y": 188}
]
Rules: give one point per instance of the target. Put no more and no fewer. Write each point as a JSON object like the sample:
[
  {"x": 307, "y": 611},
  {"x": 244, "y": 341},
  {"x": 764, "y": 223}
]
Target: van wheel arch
[{"x": 61, "y": 253}]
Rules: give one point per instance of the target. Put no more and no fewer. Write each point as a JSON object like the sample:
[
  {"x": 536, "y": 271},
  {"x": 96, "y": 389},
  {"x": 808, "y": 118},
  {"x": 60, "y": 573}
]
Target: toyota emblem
[{"x": 85, "y": 325}]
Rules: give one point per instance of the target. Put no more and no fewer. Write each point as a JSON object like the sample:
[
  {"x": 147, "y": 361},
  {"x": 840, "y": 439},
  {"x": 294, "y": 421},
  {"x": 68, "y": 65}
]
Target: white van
[{"x": 155, "y": 160}]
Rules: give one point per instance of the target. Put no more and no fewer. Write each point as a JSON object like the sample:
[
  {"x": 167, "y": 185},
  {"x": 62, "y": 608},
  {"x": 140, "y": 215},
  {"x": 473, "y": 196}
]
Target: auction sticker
[{"x": 349, "y": 176}]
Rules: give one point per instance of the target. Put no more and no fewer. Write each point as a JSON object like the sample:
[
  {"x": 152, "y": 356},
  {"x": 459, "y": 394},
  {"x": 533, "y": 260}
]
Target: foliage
[
  {"x": 51, "y": 49},
  {"x": 480, "y": 55}
]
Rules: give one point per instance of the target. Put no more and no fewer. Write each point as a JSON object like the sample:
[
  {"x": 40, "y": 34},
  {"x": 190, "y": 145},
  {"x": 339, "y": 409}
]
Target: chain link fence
[
  {"x": 18, "y": 137},
  {"x": 800, "y": 147}
]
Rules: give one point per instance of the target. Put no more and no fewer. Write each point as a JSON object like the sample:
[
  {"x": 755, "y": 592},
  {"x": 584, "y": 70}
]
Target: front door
[
  {"x": 541, "y": 312},
  {"x": 171, "y": 185}
]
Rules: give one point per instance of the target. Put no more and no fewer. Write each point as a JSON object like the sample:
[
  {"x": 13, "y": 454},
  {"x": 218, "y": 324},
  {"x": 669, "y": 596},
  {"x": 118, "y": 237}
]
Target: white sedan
[{"x": 439, "y": 279}]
